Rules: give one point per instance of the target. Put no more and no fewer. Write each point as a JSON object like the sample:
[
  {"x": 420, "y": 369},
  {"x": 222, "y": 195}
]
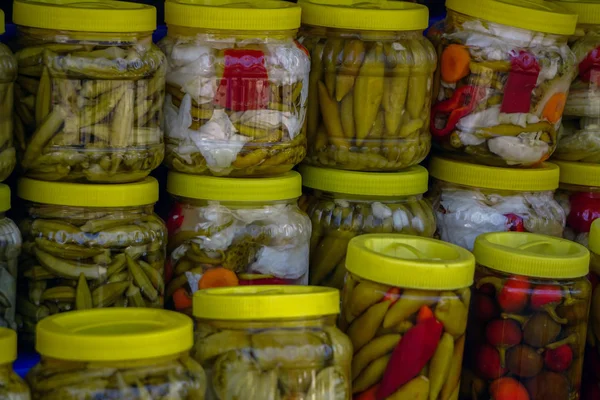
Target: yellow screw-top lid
[
  {"x": 577, "y": 173},
  {"x": 8, "y": 346},
  {"x": 534, "y": 15},
  {"x": 2, "y": 27},
  {"x": 410, "y": 262},
  {"x": 588, "y": 11},
  {"x": 249, "y": 15},
  {"x": 284, "y": 187},
  {"x": 4, "y": 197},
  {"x": 114, "y": 334},
  {"x": 140, "y": 193},
  {"x": 85, "y": 15},
  {"x": 266, "y": 302},
  {"x": 480, "y": 176},
  {"x": 532, "y": 255},
  {"x": 410, "y": 181},
  {"x": 594, "y": 237},
  {"x": 375, "y": 15}
]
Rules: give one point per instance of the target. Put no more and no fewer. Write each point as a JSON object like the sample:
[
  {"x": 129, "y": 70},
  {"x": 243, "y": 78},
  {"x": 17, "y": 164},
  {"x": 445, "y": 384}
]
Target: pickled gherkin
[
  {"x": 236, "y": 92},
  {"x": 8, "y": 75},
  {"x": 345, "y": 204},
  {"x": 89, "y": 105},
  {"x": 284, "y": 345},
  {"x": 118, "y": 354},
  {"x": 89, "y": 246},
  {"x": 370, "y": 85}
]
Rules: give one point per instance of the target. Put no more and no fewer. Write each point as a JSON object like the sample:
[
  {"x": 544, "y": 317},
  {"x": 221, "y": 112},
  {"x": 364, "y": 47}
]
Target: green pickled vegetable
[
  {"x": 11, "y": 385},
  {"x": 8, "y": 75}
]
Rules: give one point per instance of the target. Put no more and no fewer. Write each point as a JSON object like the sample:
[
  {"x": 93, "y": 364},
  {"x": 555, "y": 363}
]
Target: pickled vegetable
[
  {"x": 12, "y": 386},
  {"x": 89, "y": 110},
  {"x": 502, "y": 89},
  {"x": 10, "y": 248},
  {"x": 251, "y": 130},
  {"x": 8, "y": 75},
  {"x": 591, "y": 371}
]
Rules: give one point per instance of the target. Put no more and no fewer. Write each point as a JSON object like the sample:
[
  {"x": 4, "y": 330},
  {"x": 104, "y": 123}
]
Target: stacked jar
[
  {"x": 11, "y": 385},
  {"x": 235, "y": 111},
  {"x": 8, "y": 75},
  {"x": 591, "y": 372}
]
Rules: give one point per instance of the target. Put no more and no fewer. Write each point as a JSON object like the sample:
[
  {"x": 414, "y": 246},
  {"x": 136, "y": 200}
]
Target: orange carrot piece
[
  {"x": 553, "y": 110},
  {"x": 181, "y": 299},
  {"x": 455, "y": 63},
  {"x": 218, "y": 277},
  {"x": 425, "y": 313},
  {"x": 392, "y": 295},
  {"x": 508, "y": 389},
  {"x": 369, "y": 394}
]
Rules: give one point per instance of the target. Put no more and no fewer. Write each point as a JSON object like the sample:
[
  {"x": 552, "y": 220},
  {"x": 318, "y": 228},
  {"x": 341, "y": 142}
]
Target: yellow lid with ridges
[
  {"x": 4, "y": 197},
  {"x": 8, "y": 346},
  {"x": 481, "y": 176},
  {"x": 594, "y": 237},
  {"x": 578, "y": 173},
  {"x": 257, "y": 303},
  {"x": 410, "y": 262},
  {"x": 249, "y": 15},
  {"x": 587, "y": 11},
  {"x": 410, "y": 181},
  {"x": 114, "y": 334},
  {"x": 140, "y": 193},
  {"x": 534, "y": 15},
  {"x": 284, "y": 187},
  {"x": 2, "y": 26},
  {"x": 85, "y": 15},
  {"x": 532, "y": 255},
  {"x": 374, "y": 15}
]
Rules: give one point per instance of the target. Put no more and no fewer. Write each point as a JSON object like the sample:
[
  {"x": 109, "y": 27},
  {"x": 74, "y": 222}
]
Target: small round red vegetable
[
  {"x": 545, "y": 294},
  {"x": 514, "y": 296},
  {"x": 508, "y": 389},
  {"x": 503, "y": 333},
  {"x": 488, "y": 363},
  {"x": 559, "y": 359},
  {"x": 175, "y": 219},
  {"x": 584, "y": 210},
  {"x": 485, "y": 307}
]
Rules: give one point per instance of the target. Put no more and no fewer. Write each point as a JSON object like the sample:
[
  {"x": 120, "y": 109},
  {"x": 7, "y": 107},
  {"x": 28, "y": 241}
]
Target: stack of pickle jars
[{"x": 88, "y": 126}]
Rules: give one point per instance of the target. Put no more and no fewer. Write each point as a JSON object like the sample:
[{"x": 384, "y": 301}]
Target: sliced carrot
[
  {"x": 218, "y": 277},
  {"x": 425, "y": 313},
  {"x": 181, "y": 299},
  {"x": 455, "y": 63},
  {"x": 553, "y": 110},
  {"x": 392, "y": 295},
  {"x": 369, "y": 394}
]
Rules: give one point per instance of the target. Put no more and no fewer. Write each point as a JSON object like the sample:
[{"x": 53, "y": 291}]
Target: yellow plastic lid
[
  {"x": 532, "y": 255},
  {"x": 588, "y": 11},
  {"x": 140, "y": 193},
  {"x": 8, "y": 346},
  {"x": 534, "y": 15},
  {"x": 578, "y": 173},
  {"x": 246, "y": 303},
  {"x": 374, "y": 15},
  {"x": 2, "y": 27},
  {"x": 594, "y": 237},
  {"x": 248, "y": 15},
  {"x": 85, "y": 15},
  {"x": 4, "y": 197},
  {"x": 114, "y": 334},
  {"x": 284, "y": 187},
  {"x": 410, "y": 262},
  {"x": 481, "y": 176},
  {"x": 410, "y": 181}
]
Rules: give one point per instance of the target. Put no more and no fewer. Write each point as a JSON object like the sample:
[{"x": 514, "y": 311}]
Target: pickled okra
[
  {"x": 12, "y": 387},
  {"x": 89, "y": 105},
  {"x": 8, "y": 75},
  {"x": 236, "y": 94},
  {"x": 370, "y": 90},
  {"x": 78, "y": 257}
]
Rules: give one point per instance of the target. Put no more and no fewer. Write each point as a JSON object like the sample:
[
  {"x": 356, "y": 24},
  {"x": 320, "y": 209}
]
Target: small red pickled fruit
[
  {"x": 175, "y": 219},
  {"x": 559, "y": 359},
  {"x": 514, "y": 223},
  {"x": 485, "y": 307},
  {"x": 508, "y": 389},
  {"x": 514, "y": 296},
  {"x": 584, "y": 210},
  {"x": 488, "y": 363},
  {"x": 543, "y": 295},
  {"x": 503, "y": 333},
  {"x": 590, "y": 391}
]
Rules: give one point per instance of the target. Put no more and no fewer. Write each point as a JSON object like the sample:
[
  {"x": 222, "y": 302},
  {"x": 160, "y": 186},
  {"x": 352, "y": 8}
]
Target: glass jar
[
  {"x": 473, "y": 199},
  {"x": 579, "y": 196},
  {"x": 116, "y": 354},
  {"x": 89, "y": 246},
  {"x": 8, "y": 75},
  {"x": 580, "y": 133},
  {"x": 234, "y": 231},
  {"x": 12, "y": 387},
  {"x": 237, "y": 87},
  {"x": 529, "y": 318},
  {"x": 591, "y": 371},
  {"x": 90, "y": 91},
  {"x": 281, "y": 342},
  {"x": 505, "y": 71},
  {"x": 10, "y": 248},
  {"x": 345, "y": 204},
  {"x": 370, "y": 84},
  {"x": 404, "y": 307}
]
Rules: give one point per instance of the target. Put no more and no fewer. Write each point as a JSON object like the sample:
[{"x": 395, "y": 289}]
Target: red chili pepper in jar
[
  {"x": 514, "y": 223},
  {"x": 451, "y": 111},
  {"x": 245, "y": 82},
  {"x": 522, "y": 80},
  {"x": 175, "y": 219},
  {"x": 559, "y": 359},
  {"x": 589, "y": 68},
  {"x": 585, "y": 208},
  {"x": 512, "y": 294},
  {"x": 544, "y": 295}
]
